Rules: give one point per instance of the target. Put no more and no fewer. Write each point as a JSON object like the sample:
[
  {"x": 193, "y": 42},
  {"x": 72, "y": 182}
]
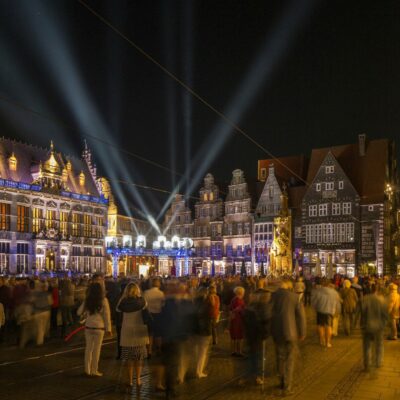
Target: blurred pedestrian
[
  {"x": 95, "y": 314},
  {"x": 374, "y": 317},
  {"x": 236, "y": 328},
  {"x": 350, "y": 301},
  {"x": 325, "y": 301},
  {"x": 288, "y": 326},
  {"x": 202, "y": 330},
  {"x": 214, "y": 312},
  {"x": 134, "y": 332},
  {"x": 393, "y": 301}
]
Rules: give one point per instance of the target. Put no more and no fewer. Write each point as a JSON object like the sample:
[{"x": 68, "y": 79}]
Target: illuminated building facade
[
  {"x": 208, "y": 229},
  {"x": 343, "y": 203},
  {"x": 238, "y": 224},
  {"x": 52, "y": 211}
]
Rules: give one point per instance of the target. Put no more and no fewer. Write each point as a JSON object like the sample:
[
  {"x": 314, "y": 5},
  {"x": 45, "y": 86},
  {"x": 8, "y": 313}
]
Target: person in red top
[
  {"x": 214, "y": 312},
  {"x": 236, "y": 328}
]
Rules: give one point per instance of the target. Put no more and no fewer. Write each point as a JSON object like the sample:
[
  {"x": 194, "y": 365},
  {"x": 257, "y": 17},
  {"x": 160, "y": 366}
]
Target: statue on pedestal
[{"x": 281, "y": 249}]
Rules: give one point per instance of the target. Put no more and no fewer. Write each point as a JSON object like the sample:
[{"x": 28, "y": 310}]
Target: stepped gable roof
[
  {"x": 367, "y": 173},
  {"x": 29, "y": 158},
  {"x": 297, "y": 164}
]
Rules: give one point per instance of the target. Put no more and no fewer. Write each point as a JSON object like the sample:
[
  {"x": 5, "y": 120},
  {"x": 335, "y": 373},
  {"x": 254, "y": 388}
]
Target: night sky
[{"x": 327, "y": 71}]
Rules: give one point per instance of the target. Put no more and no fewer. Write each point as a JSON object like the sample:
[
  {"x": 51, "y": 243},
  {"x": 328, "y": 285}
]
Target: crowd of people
[{"x": 172, "y": 322}]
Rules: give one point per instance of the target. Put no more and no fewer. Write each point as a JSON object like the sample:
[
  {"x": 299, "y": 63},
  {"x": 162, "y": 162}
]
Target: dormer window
[
  {"x": 12, "y": 162},
  {"x": 82, "y": 179}
]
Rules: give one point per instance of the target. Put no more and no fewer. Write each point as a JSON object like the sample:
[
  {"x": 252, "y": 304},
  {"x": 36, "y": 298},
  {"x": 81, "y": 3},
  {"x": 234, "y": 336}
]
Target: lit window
[
  {"x": 4, "y": 216},
  {"x": 51, "y": 216},
  {"x": 323, "y": 210},
  {"x": 22, "y": 219},
  {"x": 37, "y": 220},
  {"x": 346, "y": 208},
  {"x": 318, "y": 187},
  {"x": 211, "y": 196},
  {"x": 312, "y": 211},
  {"x": 263, "y": 173},
  {"x": 336, "y": 208},
  {"x": 205, "y": 197}
]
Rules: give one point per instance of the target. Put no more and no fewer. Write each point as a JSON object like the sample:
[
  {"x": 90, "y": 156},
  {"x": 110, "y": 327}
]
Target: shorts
[{"x": 324, "y": 319}]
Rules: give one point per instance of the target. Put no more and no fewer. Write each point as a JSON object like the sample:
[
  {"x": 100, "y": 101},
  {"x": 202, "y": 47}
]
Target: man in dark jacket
[
  {"x": 288, "y": 325},
  {"x": 256, "y": 323},
  {"x": 374, "y": 317}
]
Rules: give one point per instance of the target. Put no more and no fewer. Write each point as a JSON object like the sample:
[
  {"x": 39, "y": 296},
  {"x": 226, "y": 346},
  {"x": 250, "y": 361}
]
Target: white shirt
[{"x": 155, "y": 300}]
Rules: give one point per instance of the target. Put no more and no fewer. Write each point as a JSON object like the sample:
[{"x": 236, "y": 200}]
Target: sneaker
[
  {"x": 329, "y": 345},
  {"x": 202, "y": 375},
  {"x": 97, "y": 373}
]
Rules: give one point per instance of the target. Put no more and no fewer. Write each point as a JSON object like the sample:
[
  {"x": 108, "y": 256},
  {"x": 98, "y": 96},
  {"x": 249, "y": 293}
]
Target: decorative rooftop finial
[{"x": 51, "y": 146}]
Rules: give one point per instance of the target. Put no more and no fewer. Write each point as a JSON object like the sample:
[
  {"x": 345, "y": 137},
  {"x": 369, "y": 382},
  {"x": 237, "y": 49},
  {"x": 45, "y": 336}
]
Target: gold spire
[
  {"x": 51, "y": 165},
  {"x": 82, "y": 179},
  {"x": 12, "y": 162}
]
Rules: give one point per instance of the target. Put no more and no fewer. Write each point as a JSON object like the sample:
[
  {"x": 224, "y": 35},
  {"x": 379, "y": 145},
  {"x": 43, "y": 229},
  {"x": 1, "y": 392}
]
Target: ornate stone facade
[{"x": 49, "y": 219}]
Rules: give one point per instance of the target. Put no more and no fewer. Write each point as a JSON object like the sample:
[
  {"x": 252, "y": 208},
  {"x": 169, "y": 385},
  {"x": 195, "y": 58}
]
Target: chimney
[{"x": 362, "y": 138}]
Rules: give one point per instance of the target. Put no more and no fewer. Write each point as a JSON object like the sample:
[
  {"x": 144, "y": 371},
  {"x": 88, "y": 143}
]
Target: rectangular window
[
  {"x": 346, "y": 208},
  {"x": 64, "y": 222},
  {"x": 4, "y": 257},
  {"x": 22, "y": 219},
  {"x": 76, "y": 224},
  {"x": 87, "y": 225},
  {"x": 37, "y": 220},
  {"x": 263, "y": 174},
  {"x": 336, "y": 208},
  {"x": 240, "y": 228},
  {"x": 349, "y": 232},
  {"x": 323, "y": 210},
  {"x": 330, "y": 169},
  {"x": 246, "y": 228},
  {"x": 51, "y": 218},
  {"x": 318, "y": 187},
  {"x": 312, "y": 210},
  {"x": 22, "y": 257},
  {"x": 341, "y": 184},
  {"x": 4, "y": 216},
  {"x": 329, "y": 185}
]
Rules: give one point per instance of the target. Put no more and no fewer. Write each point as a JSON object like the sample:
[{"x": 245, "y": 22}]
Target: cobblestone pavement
[{"x": 55, "y": 371}]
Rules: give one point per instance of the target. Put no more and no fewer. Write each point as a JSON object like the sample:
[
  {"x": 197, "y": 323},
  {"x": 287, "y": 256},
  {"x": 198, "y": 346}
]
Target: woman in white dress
[{"x": 134, "y": 331}]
